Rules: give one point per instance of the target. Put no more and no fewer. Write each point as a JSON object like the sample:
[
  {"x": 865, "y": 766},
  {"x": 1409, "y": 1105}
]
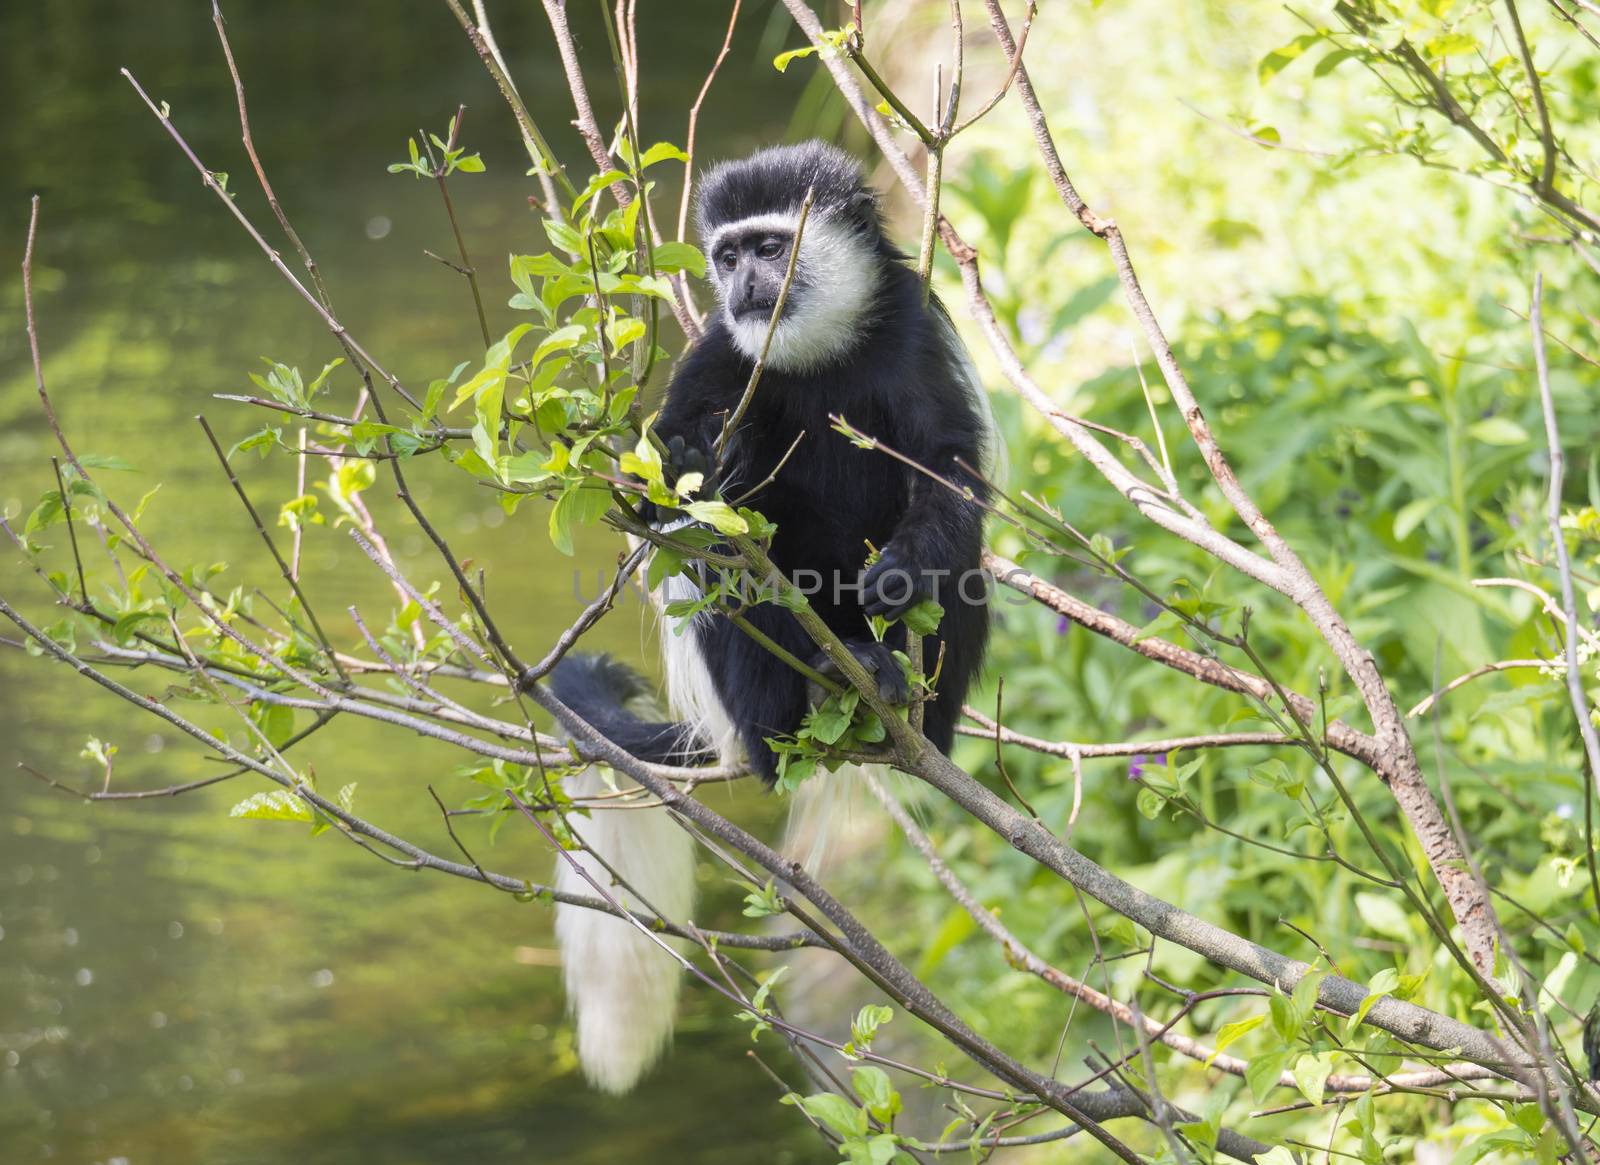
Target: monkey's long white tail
[{"x": 621, "y": 985}]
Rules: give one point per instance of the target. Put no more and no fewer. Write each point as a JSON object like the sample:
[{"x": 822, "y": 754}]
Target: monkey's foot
[{"x": 880, "y": 664}]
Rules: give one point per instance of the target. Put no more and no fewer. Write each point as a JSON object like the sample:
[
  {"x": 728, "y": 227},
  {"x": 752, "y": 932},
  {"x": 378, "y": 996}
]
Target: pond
[{"x": 178, "y": 987}]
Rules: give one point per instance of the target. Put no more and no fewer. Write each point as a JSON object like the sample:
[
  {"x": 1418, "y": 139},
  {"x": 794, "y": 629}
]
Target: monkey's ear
[{"x": 863, "y": 207}]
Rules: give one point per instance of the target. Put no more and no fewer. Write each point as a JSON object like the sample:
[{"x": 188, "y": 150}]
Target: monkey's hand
[
  {"x": 685, "y": 458},
  {"x": 897, "y": 582},
  {"x": 880, "y": 663},
  {"x": 679, "y": 461}
]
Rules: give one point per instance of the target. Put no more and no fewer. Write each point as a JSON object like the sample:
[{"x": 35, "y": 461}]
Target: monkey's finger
[{"x": 890, "y": 608}]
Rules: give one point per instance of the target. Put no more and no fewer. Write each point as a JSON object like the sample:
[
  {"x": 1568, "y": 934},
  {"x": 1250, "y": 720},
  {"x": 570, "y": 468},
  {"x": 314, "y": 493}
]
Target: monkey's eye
[
  {"x": 728, "y": 257},
  {"x": 770, "y": 249}
]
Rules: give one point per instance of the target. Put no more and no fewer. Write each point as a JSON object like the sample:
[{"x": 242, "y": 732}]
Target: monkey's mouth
[{"x": 755, "y": 310}]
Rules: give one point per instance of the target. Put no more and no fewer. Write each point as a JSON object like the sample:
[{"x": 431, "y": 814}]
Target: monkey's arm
[
  {"x": 691, "y": 418},
  {"x": 704, "y": 389},
  {"x": 938, "y": 539}
]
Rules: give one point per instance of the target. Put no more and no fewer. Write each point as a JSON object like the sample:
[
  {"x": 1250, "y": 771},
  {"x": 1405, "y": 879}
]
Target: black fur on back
[
  {"x": 775, "y": 181},
  {"x": 600, "y": 688}
]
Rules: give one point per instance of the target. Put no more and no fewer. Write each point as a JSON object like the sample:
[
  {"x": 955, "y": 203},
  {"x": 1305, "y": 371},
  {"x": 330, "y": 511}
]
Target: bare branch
[
  {"x": 1428, "y": 701},
  {"x": 340, "y": 332},
  {"x": 989, "y": 729},
  {"x": 694, "y": 119}
]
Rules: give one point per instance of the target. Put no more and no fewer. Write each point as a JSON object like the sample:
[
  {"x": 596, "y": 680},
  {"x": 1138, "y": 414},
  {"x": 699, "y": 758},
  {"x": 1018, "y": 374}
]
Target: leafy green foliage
[
  {"x": 840, "y": 722},
  {"x": 452, "y": 158},
  {"x": 763, "y": 903},
  {"x": 273, "y": 805},
  {"x": 834, "y": 42},
  {"x": 863, "y": 1124}
]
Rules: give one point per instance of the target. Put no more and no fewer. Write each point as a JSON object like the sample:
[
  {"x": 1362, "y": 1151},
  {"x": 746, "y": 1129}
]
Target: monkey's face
[
  {"x": 829, "y": 298},
  {"x": 750, "y": 268}
]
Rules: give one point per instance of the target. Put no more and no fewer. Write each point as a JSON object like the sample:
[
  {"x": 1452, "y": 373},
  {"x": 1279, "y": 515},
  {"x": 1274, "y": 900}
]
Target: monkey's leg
[{"x": 762, "y": 694}]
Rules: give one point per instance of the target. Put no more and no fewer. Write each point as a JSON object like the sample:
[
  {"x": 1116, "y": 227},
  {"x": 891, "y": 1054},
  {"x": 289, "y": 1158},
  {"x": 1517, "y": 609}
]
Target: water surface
[{"x": 179, "y": 988}]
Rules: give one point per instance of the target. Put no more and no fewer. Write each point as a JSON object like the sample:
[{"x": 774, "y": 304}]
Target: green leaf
[
  {"x": 764, "y": 902},
  {"x": 1305, "y": 993},
  {"x": 644, "y": 462},
  {"x": 1277, "y": 1155},
  {"x": 275, "y": 721},
  {"x": 867, "y": 1022},
  {"x": 1411, "y": 515},
  {"x": 564, "y": 237},
  {"x": 1280, "y": 59},
  {"x": 103, "y": 461},
  {"x": 872, "y": 1085},
  {"x": 829, "y": 722},
  {"x": 596, "y": 184},
  {"x": 46, "y": 513},
  {"x": 681, "y": 257},
  {"x": 1229, "y": 1032},
  {"x": 1286, "y": 1020},
  {"x": 664, "y": 565},
  {"x": 660, "y": 152},
  {"x": 1262, "y": 1073},
  {"x": 582, "y": 504},
  {"x": 1384, "y": 916},
  {"x": 1311, "y": 1074},
  {"x": 1498, "y": 431},
  {"x": 1451, "y": 44},
  {"x": 122, "y": 630},
  {"x": 276, "y": 805},
  {"x": 1382, "y": 983},
  {"x": 923, "y": 618},
  {"x": 837, "y": 1113},
  {"x": 544, "y": 265},
  {"x": 557, "y": 341},
  {"x": 718, "y": 515},
  {"x": 1555, "y": 982},
  {"x": 262, "y": 441},
  {"x": 781, "y": 61},
  {"x": 1332, "y": 61}
]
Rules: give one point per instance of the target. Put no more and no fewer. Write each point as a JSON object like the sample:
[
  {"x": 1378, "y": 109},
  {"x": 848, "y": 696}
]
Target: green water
[{"x": 178, "y": 988}]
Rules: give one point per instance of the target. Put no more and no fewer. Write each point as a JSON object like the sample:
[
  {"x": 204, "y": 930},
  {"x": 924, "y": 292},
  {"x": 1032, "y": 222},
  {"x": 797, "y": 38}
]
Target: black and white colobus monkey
[{"x": 857, "y": 338}]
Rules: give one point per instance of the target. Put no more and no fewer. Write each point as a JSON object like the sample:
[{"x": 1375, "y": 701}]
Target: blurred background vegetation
[{"x": 1342, "y": 277}]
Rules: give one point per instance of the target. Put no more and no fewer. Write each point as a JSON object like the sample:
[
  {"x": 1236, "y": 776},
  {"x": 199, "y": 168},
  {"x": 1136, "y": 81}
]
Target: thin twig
[
  {"x": 466, "y": 268},
  {"x": 72, "y": 529},
  {"x": 1014, "y": 63},
  {"x": 1547, "y": 138},
  {"x": 694, "y": 120},
  {"x": 731, "y": 425},
  {"x": 1569, "y": 602},
  {"x": 340, "y": 332},
  {"x": 255, "y": 160},
  {"x": 544, "y": 160},
  {"x": 283, "y": 567},
  {"x": 999, "y": 752},
  {"x": 987, "y": 729},
  {"x": 1428, "y": 701}
]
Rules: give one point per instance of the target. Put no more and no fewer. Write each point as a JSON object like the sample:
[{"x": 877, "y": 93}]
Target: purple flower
[
  {"x": 1138, "y": 762},
  {"x": 1063, "y": 625}
]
